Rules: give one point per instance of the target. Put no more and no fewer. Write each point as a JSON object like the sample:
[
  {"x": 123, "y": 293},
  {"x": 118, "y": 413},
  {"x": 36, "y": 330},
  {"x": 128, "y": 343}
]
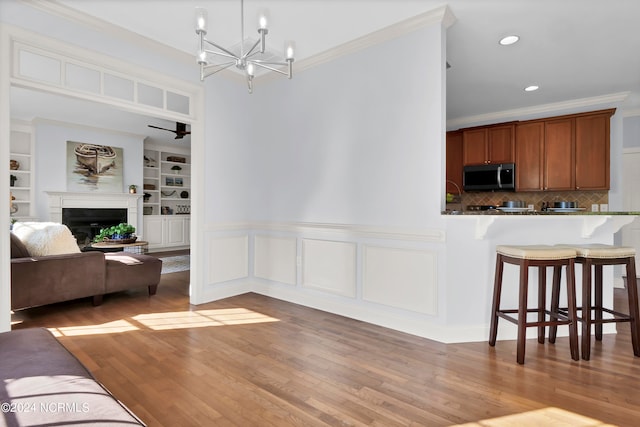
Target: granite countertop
[{"x": 498, "y": 212}]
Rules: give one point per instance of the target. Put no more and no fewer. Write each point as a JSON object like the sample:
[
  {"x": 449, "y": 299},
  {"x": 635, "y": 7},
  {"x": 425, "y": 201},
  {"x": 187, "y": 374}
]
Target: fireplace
[
  {"x": 118, "y": 207},
  {"x": 85, "y": 224}
]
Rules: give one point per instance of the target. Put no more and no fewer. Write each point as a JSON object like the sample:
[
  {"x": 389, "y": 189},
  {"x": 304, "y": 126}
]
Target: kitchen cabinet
[
  {"x": 530, "y": 156},
  {"x": 592, "y": 151},
  {"x": 488, "y": 144},
  {"x": 559, "y": 155},
  {"x": 564, "y": 153},
  {"x": 454, "y": 162}
]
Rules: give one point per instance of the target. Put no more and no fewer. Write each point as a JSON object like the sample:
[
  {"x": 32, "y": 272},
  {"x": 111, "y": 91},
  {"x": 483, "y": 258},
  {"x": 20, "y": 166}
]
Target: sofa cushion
[
  {"x": 127, "y": 270},
  {"x": 46, "y": 238},
  {"x": 47, "y": 385},
  {"x": 18, "y": 249}
]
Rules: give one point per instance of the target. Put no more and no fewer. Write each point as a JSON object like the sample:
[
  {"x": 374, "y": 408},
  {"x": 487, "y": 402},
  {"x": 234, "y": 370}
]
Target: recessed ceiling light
[
  {"x": 506, "y": 41},
  {"x": 531, "y": 88}
]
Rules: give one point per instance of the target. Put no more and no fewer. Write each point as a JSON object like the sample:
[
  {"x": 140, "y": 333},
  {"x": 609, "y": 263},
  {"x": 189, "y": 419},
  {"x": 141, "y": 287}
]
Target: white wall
[
  {"x": 354, "y": 141},
  {"x": 631, "y": 128}
]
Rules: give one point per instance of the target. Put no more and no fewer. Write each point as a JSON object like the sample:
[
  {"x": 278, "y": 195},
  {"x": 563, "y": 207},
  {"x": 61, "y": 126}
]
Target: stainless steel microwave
[{"x": 491, "y": 177}]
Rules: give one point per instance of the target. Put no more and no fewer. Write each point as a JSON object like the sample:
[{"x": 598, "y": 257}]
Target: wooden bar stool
[
  {"x": 541, "y": 257},
  {"x": 592, "y": 311}
]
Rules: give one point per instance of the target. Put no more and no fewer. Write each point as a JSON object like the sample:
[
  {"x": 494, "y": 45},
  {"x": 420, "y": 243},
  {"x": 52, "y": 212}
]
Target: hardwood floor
[{"x": 251, "y": 360}]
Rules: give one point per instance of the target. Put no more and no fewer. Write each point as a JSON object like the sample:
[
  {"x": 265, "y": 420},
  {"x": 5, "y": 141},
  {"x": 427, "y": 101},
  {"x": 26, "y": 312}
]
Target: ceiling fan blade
[{"x": 156, "y": 127}]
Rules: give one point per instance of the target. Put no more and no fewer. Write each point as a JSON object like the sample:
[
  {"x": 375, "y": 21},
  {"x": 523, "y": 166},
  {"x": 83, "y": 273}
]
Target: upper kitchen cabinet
[
  {"x": 559, "y": 155},
  {"x": 592, "y": 150},
  {"x": 530, "y": 156},
  {"x": 488, "y": 144},
  {"x": 454, "y": 162},
  {"x": 564, "y": 153}
]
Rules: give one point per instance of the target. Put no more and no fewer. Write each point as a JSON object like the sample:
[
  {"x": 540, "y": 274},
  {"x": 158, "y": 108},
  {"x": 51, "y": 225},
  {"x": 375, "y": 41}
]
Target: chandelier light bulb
[
  {"x": 289, "y": 49},
  {"x": 201, "y": 20},
  {"x": 263, "y": 19},
  {"x": 251, "y": 69}
]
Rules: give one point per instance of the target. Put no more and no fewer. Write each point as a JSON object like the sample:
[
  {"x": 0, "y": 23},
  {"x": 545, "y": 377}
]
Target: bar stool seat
[
  {"x": 542, "y": 257},
  {"x": 594, "y": 257}
]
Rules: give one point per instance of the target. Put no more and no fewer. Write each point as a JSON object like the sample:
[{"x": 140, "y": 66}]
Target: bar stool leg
[
  {"x": 555, "y": 300},
  {"x": 571, "y": 296},
  {"x": 598, "y": 301},
  {"x": 542, "y": 301},
  {"x": 586, "y": 309},
  {"x": 497, "y": 289},
  {"x": 522, "y": 311},
  {"x": 634, "y": 312}
]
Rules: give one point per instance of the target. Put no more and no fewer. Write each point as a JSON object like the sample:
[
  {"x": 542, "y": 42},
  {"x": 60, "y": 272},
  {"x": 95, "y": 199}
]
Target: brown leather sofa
[
  {"x": 42, "y": 383},
  {"x": 37, "y": 281}
]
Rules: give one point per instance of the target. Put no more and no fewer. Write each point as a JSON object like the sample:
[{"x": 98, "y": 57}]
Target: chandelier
[{"x": 248, "y": 61}]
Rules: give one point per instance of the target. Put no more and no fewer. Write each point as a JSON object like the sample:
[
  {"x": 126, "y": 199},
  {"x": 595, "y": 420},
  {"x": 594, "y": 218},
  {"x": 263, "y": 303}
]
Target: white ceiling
[{"x": 572, "y": 49}]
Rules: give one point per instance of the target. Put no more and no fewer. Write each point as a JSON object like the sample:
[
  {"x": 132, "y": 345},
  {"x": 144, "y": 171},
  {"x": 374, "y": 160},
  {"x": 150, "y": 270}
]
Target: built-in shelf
[{"x": 20, "y": 151}]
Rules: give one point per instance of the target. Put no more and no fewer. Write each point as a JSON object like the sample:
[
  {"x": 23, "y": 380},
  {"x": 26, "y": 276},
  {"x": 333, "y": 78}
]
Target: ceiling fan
[{"x": 180, "y": 131}]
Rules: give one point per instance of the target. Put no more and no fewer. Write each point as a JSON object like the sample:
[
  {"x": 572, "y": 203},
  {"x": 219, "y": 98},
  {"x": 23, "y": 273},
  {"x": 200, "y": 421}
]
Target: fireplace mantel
[{"x": 59, "y": 200}]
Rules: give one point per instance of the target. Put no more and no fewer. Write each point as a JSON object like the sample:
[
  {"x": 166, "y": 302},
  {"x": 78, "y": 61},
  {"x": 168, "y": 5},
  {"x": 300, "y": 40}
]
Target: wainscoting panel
[
  {"x": 275, "y": 258},
  {"x": 401, "y": 278},
  {"x": 329, "y": 266},
  {"x": 228, "y": 258}
]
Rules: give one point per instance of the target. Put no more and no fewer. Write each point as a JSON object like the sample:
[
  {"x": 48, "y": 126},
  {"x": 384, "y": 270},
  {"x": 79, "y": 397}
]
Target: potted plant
[
  {"x": 12, "y": 179},
  {"x": 176, "y": 169},
  {"x": 121, "y": 233},
  {"x": 133, "y": 188}
]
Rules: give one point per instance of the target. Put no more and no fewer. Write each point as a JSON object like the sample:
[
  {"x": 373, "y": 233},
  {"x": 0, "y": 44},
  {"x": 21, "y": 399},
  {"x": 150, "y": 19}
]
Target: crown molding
[
  {"x": 507, "y": 115},
  {"x": 441, "y": 15},
  {"x": 54, "y": 8}
]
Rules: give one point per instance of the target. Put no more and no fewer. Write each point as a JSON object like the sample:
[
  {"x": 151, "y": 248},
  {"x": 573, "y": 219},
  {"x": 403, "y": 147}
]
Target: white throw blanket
[{"x": 46, "y": 238}]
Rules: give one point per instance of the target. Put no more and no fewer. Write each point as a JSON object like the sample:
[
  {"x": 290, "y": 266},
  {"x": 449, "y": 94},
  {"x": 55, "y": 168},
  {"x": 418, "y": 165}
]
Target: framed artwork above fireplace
[{"x": 94, "y": 168}]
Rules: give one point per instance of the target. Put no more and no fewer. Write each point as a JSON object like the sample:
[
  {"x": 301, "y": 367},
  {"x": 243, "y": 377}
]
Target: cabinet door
[
  {"x": 153, "y": 230},
  {"x": 530, "y": 156},
  {"x": 559, "y": 149},
  {"x": 500, "y": 144},
  {"x": 474, "y": 146},
  {"x": 187, "y": 230},
  {"x": 592, "y": 152},
  {"x": 454, "y": 162},
  {"x": 175, "y": 234}
]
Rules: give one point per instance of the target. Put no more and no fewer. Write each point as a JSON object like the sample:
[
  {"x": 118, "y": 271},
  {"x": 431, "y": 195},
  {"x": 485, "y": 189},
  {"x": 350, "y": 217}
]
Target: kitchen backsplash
[{"x": 584, "y": 198}]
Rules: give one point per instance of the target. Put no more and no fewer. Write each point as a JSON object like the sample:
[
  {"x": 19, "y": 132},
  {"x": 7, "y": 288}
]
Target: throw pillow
[
  {"x": 18, "y": 250},
  {"x": 46, "y": 238}
]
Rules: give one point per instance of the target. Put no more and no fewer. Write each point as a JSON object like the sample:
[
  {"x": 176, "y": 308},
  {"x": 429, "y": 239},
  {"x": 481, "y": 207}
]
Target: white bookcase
[
  {"x": 21, "y": 149},
  {"x": 167, "y": 197}
]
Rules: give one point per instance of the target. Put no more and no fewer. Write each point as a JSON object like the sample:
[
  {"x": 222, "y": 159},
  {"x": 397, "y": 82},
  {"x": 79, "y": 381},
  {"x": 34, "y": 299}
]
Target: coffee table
[{"x": 139, "y": 247}]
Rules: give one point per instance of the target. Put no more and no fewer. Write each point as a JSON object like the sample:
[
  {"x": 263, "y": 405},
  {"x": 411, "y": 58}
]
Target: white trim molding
[
  {"x": 542, "y": 110},
  {"x": 387, "y": 276},
  {"x": 328, "y": 229}
]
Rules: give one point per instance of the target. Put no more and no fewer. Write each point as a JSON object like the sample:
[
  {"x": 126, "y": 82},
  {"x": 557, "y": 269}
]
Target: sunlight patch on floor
[
  {"x": 540, "y": 417},
  {"x": 104, "y": 328},
  {"x": 202, "y": 318},
  {"x": 163, "y": 321}
]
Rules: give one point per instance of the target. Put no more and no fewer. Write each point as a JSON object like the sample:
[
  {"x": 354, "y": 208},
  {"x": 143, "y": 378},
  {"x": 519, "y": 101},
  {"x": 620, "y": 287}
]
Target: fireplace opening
[{"x": 85, "y": 224}]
